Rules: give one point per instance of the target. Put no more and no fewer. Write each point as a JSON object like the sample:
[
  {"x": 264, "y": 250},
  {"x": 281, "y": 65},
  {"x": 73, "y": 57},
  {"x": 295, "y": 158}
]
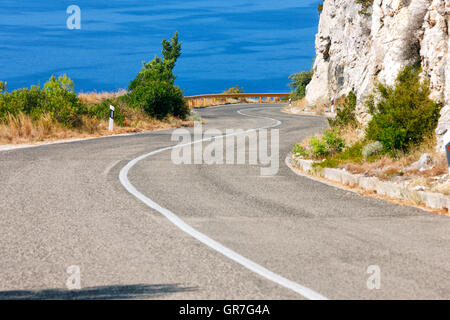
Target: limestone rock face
[{"x": 353, "y": 51}]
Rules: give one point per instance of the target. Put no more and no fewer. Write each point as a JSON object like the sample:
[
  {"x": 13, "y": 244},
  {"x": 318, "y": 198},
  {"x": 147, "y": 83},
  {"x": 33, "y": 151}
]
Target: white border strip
[{"x": 123, "y": 176}]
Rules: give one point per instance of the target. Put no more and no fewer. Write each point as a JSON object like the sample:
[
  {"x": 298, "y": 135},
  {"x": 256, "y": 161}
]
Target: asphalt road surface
[{"x": 64, "y": 205}]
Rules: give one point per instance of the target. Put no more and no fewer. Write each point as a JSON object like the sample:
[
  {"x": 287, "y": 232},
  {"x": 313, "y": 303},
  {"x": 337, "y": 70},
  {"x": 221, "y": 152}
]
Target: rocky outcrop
[{"x": 354, "y": 51}]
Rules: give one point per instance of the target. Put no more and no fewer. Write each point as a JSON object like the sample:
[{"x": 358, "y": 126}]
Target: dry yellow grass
[
  {"x": 442, "y": 188},
  {"x": 351, "y": 135},
  {"x": 95, "y": 97},
  {"x": 386, "y": 167},
  {"x": 22, "y": 129},
  {"x": 321, "y": 107},
  {"x": 302, "y": 103}
]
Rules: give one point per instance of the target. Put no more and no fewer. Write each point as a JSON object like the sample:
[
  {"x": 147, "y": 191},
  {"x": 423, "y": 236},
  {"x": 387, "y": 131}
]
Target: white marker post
[
  {"x": 447, "y": 148},
  {"x": 332, "y": 105},
  {"x": 111, "y": 118}
]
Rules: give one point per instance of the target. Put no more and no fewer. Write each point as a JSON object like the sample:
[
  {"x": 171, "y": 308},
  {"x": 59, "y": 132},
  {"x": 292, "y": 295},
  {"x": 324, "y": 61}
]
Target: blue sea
[{"x": 253, "y": 44}]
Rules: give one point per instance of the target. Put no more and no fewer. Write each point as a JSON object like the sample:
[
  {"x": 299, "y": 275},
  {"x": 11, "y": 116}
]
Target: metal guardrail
[{"x": 214, "y": 99}]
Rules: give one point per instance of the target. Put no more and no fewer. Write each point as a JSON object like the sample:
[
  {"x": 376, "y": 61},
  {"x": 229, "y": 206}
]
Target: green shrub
[
  {"x": 404, "y": 115},
  {"x": 26, "y": 100},
  {"x": 345, "y": 114},
  {"x": 57, "y": 98},
  {"x": 299, "y": 150},
  {"x": 62, "y": 102},
  {"x": 353, "y": 153},
  {"x": 159, "y": 99},
  {"x": 2, "y": 86},
  {"x": 335, "y": 144},
  {"x": 349, "y": 154},
  {"x": 329, "y": 145},
  {"x": 372, "y": 149},
  {"x": 299, "y": 82},
  {"x": 154, "y": 90},
  {"x": 318, "y": 148},
  {"x": 101, "y": 111}
]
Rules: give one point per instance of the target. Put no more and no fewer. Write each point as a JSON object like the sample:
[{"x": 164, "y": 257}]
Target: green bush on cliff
[
  {"x": 345, "y": 113},
  {"x": 299, "y": 82},
  {"x": 403, "y": 115}
]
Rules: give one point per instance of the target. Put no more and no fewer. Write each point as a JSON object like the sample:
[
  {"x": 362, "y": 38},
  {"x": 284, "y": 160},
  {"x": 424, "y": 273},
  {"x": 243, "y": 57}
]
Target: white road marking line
[{"x": 123, "y": 176}]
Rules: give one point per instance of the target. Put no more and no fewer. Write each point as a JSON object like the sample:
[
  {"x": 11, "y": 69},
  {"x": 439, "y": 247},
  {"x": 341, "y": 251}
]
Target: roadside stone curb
[{"x": 386, "y": 188}]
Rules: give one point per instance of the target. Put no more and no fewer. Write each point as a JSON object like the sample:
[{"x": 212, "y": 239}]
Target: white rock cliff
[{"x": 354, "y": 50}]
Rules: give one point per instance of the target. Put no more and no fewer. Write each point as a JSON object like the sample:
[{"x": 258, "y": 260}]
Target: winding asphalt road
[{"x": 64, "y": 205}]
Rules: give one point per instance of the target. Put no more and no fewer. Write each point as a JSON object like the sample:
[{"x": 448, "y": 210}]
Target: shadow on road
[{"x": 138, "y": 291}]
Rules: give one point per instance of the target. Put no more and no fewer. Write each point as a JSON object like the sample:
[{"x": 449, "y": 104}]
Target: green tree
[
  {"x": 160, "y": 69},
  {"x": 299, "y": 82},
  {"x": 171, "y": 51},
  {"x": 157, "y": 78},
  {"x": 2, "y": 86}
]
